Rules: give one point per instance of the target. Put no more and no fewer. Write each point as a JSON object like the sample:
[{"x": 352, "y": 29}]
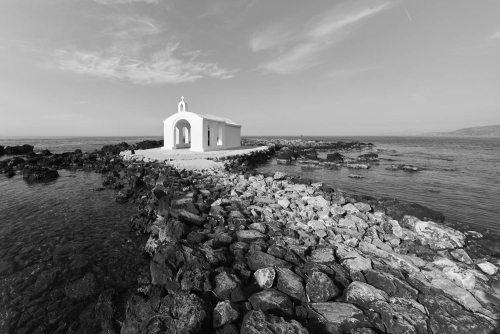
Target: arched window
[{"x": 219, "y": 135}]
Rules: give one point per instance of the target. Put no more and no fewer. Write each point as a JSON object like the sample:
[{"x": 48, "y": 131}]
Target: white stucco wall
[
  {"x": 233, "y": 136},
  {"x": 201, "y": 127}
]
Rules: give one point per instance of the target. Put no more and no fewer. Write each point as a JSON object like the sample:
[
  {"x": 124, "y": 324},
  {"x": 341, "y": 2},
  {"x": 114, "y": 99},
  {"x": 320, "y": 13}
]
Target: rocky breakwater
[
  {"x": 239, "y": 252},
  {"x": 44, "y": 165}
]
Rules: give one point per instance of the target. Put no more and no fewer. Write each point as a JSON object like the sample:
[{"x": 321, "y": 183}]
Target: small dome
[{"x": 182, "y": 105}]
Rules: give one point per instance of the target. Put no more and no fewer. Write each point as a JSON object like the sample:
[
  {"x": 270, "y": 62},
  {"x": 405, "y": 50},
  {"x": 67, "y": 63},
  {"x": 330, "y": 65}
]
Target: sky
[{"x": 280, "y": 67}]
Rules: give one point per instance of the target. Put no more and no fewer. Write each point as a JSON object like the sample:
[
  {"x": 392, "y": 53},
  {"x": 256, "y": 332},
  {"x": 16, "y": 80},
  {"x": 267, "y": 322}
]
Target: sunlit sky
[{"x": 281, "y": 67}]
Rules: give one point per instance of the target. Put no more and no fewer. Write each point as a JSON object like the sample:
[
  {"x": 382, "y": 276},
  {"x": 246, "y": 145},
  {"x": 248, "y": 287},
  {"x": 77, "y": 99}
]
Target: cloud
[
  {"x": 162, "y": 67},
  {"x": 125, "y": 26},
  {"x": 273, "y": 36},
  {"x": 300, "y": 49},
  {"x": 495, "y": 35}
]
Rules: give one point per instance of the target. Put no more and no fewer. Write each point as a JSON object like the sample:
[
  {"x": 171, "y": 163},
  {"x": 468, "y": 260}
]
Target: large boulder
[
  {"x": 335, "y": 317},
  {"x": 438, "y": 236},
  {"x": 272, "y": 301},
  {"x": 446, "y": 316},
  {"x": 291, "y": 284},
  {"x": 258, "y": 260},
  {"x": 258, "y": 322},
  {"x": 320, "y": 288},
  {"x": 175, "y": 313}
]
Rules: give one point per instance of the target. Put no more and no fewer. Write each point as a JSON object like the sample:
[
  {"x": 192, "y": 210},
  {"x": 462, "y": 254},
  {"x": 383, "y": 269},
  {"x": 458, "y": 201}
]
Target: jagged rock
[
  {"x": 249, "y": 236},
  {"x": 438, "y": 236},
  {"x": 447, "y": 316},
  {"x": 189, "y": 217},
  {"x": 322, "y": 255},
  {"x": 335, "y": 317},
  {"x": 463, "y": 278},
  {"x": 461, "y": 255},
  {"x": 224, "y": 313},
  {"x": 258, "y": 260},
  {"x": 320, "y": 288},
  {"x": 390, "y": 284},
  {"x": 265, "y": 277},
  {"x": 488, "y": 268},
  {"x": 363, "y": 294},
  {"x": 272, "y": 301},
  {"x": 228, "y": 287},
  {"x": 291, "y": 284},
  {"x": 196, "y": 279},
  {"x": 318, "y": 201},
  {"x": 257, "y": 322},
  {"x": 175, "y": 313},
  {"x": 285, "y": 203}
]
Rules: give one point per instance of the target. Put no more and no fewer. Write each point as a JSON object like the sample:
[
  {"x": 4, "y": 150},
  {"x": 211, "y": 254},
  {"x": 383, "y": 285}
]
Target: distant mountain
[{"x": 477, "y": 131}]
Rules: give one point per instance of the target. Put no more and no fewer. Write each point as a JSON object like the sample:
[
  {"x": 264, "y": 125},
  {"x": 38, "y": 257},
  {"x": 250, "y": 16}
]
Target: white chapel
[{"x": 199, "y": 132}]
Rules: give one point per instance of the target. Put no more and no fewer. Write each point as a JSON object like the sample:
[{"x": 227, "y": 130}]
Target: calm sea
[{"x": 460, "y": 176}]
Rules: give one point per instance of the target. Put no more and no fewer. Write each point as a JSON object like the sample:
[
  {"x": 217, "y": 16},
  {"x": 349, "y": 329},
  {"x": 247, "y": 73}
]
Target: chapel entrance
[{"x": 182, "y": 134}]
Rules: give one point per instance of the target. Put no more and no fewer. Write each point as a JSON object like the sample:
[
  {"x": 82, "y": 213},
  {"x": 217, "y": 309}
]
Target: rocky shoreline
[{"x": 234, "y": 251}]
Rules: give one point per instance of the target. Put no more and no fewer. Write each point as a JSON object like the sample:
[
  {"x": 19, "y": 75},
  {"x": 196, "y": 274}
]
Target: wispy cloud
[
  {"x": 161, "y": 67},
  {"x": 125, "y": 26},
  {"x": 273, "y": 36},
  {"x": 495, "y": 35},
  {"x": 300, "y": 49}
]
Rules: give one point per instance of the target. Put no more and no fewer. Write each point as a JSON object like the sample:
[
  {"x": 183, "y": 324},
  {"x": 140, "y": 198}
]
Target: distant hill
[{"x": 477, "y": 131}]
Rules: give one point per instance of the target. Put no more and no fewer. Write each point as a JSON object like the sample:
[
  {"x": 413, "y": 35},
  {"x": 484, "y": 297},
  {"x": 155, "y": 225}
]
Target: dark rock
[
  {"x": 196, "y": 280},
  {"x": 196, "y": 237},
  {"x": 334, "y": 157},
  {"x": 165, "y": 264},
  {"x": 228, "y": 287},
  {"x": 39, "y": 173},
  {"x": 257, "y": 322},
  {"x": 320, "y": 288},
  {"x": 222, "y": 240},
  {"x": 272, "y": 301},
  {"x": 446, "y": 316},
  {"x": 390, "y": 284},
  {"x": 175, "y": 313},
  {"x": 259, "y": 260},
  {"x": 121, "y": 197},
  {"x": 2, "y": 150},
  {"x": 249, "y": 236},
  {"x": 228, "y": 329},
  {"x": 224, "y": 313},
  {"x": 188, "y": 217},
  {"x": 291, "y": 284},
  {"x": 24, "y": 149},
  {"x": 336, "y": 317}
]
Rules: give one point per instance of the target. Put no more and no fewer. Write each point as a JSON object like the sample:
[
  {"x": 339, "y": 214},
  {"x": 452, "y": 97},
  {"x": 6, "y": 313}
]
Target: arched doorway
[{"x": 182, "y": 134}]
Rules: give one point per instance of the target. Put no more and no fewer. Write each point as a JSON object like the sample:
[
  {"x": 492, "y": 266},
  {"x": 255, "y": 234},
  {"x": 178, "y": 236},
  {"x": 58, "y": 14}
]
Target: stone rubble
[{"x": 264, "y": 254}]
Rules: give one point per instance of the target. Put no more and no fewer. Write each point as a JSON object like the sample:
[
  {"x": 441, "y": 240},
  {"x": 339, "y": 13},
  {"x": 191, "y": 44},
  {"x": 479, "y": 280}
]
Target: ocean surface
[
  {"x": 460, "y": 176},
  {"x": 55, "y": 234}
]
